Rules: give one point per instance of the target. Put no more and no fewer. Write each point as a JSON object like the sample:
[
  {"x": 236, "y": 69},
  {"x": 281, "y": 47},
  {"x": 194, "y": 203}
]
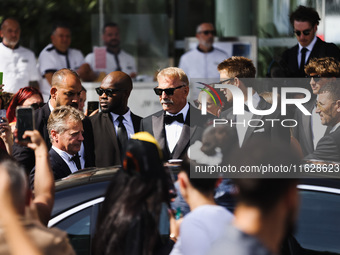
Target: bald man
[
  {"x": 18, "y": 63},
  {"x": 115, "y": 124},
  {"x": 202, "y": 61},
  {"x": 65, "y": 90}
]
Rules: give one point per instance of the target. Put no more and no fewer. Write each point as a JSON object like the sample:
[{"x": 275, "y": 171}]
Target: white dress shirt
[
  {"x": 68, "y": 159},
  {"x": 242, "y": 120},
  {"x": 173, "y": 131},
  {"x": 127, "y": 121},
  {"x": 309, "y": 50}
]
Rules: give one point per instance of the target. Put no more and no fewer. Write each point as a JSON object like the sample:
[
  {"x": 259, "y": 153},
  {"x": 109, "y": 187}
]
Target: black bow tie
[{"x": 168, "y": 119}]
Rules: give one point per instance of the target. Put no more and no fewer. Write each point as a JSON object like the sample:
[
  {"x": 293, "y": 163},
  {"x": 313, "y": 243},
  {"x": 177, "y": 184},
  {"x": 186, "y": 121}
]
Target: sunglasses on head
[
  {"x": 206, "y": 32},
  {"x": 316, "y": 77},
  {"x": 36, "y": 106},
  {"x": 222, "y": 82},
  {"x": 305, "y": 32},
  {"x": 169, "y": 91},
  {"x": 108, "y": 92}
]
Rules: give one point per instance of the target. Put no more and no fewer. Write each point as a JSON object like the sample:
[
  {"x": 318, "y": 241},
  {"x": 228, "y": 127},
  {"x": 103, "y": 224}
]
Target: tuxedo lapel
[
  {"x": 59, "y": 166},
  {"x": 159, "y": 130},
  {"x": 250, "y": 129},
  {"x": 306, "y": 128}
]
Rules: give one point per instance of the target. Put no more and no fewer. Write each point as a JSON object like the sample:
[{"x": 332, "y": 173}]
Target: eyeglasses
[
  {"x": 36, "y": 106},
  {"x": 206, "y": 32},
  {"x": 222, "y": 82},
  {"x": 169, "y": 91},
  {"x": 305, "y": 32},
  {"x": 316, "y": 77},
  {"x": 322, "y": 106},
  {"x": 108, "y": 92}
]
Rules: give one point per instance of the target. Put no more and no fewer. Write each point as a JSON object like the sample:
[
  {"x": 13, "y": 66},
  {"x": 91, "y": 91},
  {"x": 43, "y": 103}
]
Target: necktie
[
  {"x": 76, "y": 160},
  {"x": 303, "y": 58},
  {"x": 117, "y": 63},
  {"x": 168, "y": 119},
  {"x": 121, "y": 135},
  {"x": 246, "y": 108}
]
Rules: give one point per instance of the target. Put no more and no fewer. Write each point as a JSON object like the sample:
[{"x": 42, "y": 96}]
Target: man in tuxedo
[
  {"x": 305, "y": 21},
  {"x": 309, "y": 129},
  {"x": 328, "y": 107},
  {"x": 66, "y": 89},
  {"x": 115, "y": 124},
  {"x": 178, "y": 124},
  {"x": 240, "y": 72}
]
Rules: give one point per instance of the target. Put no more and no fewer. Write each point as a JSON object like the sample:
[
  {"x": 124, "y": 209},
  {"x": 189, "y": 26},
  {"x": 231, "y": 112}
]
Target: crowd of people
[{"x": 65, "y": 140}]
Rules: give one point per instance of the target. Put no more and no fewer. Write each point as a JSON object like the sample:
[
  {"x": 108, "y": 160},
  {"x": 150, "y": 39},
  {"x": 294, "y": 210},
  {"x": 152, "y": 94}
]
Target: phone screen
[
  {"x": 25, "y": 121},
  {"x": 92, "y": 106}
]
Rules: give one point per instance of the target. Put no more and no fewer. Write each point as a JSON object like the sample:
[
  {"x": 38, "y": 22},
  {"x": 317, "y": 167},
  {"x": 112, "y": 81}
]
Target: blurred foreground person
[
  {"x": 267, "y": 208},
  {"x": 48, "y": 241},
  {"x": 128, "y": 222},
  {"x": 205, "y": 223}
]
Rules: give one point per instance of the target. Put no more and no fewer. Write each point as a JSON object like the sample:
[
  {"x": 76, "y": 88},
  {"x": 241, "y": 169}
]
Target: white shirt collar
[
  {"x": 63, "y": 154},
  {"x": 126, "y": 115},
  {"x": 184, "y": 111},
  {"x": 310, "y": 46},
  {"x": 256, "y": 100},
  {"x": 335, "y": 127},
  {"x": 50, "y": 106}
]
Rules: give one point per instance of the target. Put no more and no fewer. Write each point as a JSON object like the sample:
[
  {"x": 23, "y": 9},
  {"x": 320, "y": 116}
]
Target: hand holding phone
[{"x": 25, "y": 121}]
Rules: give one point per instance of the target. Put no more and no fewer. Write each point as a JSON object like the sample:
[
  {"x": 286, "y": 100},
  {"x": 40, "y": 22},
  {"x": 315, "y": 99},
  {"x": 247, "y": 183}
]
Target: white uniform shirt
[
  {"x": 198, "y": 64},
  {"x": 126, "y": 62},
  {"x": 50, "y": 60},
  {"x": 19, "y": 67}
]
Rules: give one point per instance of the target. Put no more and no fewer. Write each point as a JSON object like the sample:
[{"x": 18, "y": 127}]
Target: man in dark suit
[
  {"x": 309, "y": 129},
  {"x": 240, "y": 72},
  {"x": 305, "y": 22},
  {"x": 66, "y": 89},
  {"x": 115, "y": 124},
  {"x": 65, "y": 129},
  {"x": 178, "y": 124},
  {"x": 328, "y": 107}
]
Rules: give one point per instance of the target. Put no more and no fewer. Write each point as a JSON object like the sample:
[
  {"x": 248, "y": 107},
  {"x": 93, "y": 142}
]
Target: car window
[
  {"x": 78, "y": 228},
  {"x": 319, "y": 222}
]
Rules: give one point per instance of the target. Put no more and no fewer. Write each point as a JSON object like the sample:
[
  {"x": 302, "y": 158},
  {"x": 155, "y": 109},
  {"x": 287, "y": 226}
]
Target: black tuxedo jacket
[
  {"x": 303, "y": 131},
  {"x": 106, "y": 146},
  {"x": 193, "y": 128},
  {"x": 277, "y": 133},
  {"x": 328, "y": 148},
  {"x": 26, "y": 156},
  {"x": 320, "y": 49}
]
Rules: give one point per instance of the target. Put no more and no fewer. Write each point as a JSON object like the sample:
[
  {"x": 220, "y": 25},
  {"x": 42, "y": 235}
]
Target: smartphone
[
  {"x": 92, "y": 106},
  {"x": 25, "y": 120}
]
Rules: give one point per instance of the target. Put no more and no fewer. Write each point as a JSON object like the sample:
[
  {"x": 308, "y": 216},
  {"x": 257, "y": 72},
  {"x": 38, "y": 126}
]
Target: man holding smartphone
[{"x": 66, "y": 89}]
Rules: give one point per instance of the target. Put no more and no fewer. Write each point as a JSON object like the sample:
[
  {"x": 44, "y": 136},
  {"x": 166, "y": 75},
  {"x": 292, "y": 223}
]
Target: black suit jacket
[
  {"x": 59, "y": 167},
  {"x": 106, "y": 146},
  {"x": 193, "y": 128},
  {"x": 277, "y": 133},
  {"x": 320, "y": 49},
  {"x": 25, "y": 155},
  {"x": 328, "y": 148},
  {"x": 303, "y": 131}
]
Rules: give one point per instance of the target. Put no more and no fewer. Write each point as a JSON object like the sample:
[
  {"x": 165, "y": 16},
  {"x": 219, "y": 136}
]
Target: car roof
[{"x": 82, "y": 186}]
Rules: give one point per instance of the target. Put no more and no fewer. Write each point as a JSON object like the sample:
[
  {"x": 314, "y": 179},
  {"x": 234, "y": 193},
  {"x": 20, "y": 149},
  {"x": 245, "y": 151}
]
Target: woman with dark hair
[
  {"x": 129, "y": 220},
  {"x": 27, "y": 96}
]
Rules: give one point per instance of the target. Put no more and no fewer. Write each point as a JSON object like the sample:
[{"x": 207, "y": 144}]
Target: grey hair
[
  {"x": 59, "y": 116},
  {"x": 198, "y": 28},
  {"x": 18, "y": 182}
]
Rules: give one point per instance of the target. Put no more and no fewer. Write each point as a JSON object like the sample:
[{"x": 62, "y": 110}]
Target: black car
[{"x": 79, "y": 196}]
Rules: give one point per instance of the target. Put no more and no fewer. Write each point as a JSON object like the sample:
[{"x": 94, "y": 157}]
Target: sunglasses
[
  {"x": 305, "y": 32},
  {"x": 36, "y": 106},
  {"x": 169, "y": 91},
  {"x": 222, "y": 82},
  {"x": 316, "y": 77},
  {"x": 108, "y": 92},
  {"x": 206, "y": 32}
]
